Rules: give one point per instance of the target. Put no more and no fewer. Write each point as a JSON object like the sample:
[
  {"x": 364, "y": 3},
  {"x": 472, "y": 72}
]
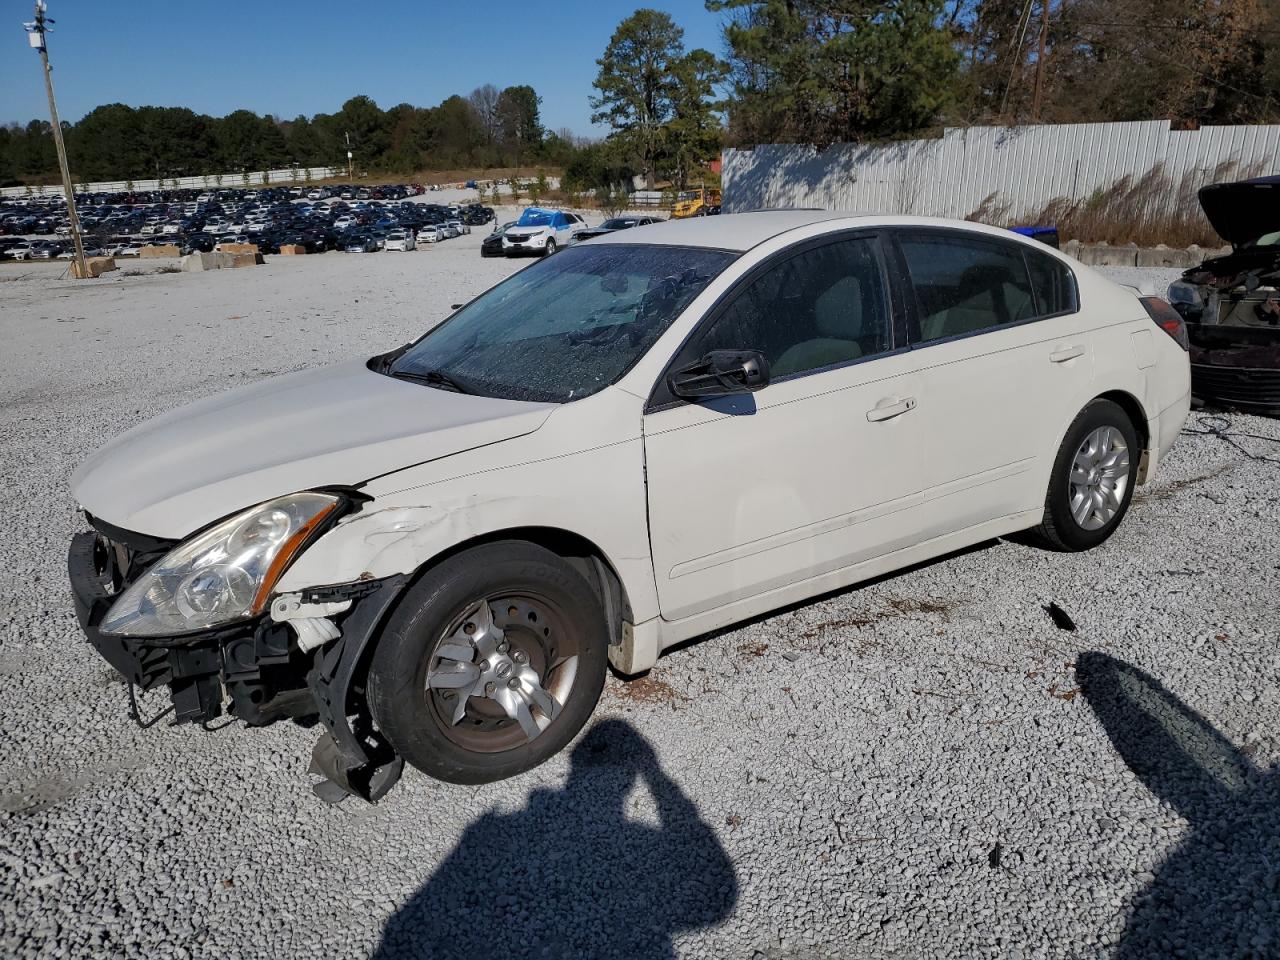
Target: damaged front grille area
[
  {"x": 1224, "y": 377},
  {"x": 252, "y": 670},
  {"x": 1231, "y": 306},
  {"x": 253, "y": 664}
]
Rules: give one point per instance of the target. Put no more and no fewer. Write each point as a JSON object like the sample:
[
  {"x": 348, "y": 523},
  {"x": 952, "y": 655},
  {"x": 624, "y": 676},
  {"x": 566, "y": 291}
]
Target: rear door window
[{"x": 966, "y": 284}]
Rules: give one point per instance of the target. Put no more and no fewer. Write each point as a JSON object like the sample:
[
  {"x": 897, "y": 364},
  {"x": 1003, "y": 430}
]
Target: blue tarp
[{"x": 537, "y": 217}]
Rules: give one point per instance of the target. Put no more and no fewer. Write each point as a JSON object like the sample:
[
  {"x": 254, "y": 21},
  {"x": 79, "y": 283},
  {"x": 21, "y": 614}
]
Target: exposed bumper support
[
  {"x": 259, "y": 667},
  {"x": 354, "y": 758}
]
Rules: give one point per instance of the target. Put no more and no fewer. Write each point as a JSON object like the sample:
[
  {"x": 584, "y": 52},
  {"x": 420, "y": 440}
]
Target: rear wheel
[
  {"x": 1093, "y": 478},
  {"x": 491, "y": 664}
]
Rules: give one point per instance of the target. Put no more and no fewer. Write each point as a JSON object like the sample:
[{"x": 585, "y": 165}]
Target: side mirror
[{"x": 721, "y": 373}]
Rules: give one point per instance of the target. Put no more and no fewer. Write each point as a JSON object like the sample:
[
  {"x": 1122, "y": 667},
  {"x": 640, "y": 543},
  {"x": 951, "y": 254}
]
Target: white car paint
[
  {"x": 534, "y": 239},
  {"x": 708, "y": 517},
  {"x": 400, "y": 240},
  {"x": 198, "y": 463}
]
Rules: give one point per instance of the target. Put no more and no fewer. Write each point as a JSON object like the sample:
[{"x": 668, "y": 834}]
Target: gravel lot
[{"x": 922, "y": 767}]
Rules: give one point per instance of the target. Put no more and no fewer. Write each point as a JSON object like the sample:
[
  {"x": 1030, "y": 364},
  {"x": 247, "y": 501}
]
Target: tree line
[
  {"x": 809, "y": 71},
  {"x": 489, "y": 128},
  {"x": 826, "y": 71}
]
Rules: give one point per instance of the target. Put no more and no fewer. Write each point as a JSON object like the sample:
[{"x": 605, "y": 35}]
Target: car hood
[
  {"x": 335, "y": 426},
  {"x": 1244, "y": 211},
  {"x": 529, "y": 230}
]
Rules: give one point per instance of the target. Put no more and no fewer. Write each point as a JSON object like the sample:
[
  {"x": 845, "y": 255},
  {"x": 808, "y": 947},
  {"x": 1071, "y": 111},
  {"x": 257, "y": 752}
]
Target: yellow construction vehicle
[{"x": 697, "y": 204}]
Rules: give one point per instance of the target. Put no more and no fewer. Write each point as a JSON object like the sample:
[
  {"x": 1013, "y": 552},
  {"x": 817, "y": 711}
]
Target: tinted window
[
  {"x": 966, "y": 284},
  {"x": 821, "y": 307},
  {"x": 1053, "y": 283}
]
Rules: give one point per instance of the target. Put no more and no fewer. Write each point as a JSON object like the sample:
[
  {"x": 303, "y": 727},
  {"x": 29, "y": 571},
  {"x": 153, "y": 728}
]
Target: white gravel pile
[{"x": 923, "y": 767}]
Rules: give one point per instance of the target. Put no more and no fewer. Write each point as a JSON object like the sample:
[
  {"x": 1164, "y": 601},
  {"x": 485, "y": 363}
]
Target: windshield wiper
[{"x": 434, "y": 378}]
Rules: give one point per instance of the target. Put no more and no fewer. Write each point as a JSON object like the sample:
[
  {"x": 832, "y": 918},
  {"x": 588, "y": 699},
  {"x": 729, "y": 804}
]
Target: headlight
[
  {"x": 1182, "y": 292},
  {"x": 224, "y": 574}
]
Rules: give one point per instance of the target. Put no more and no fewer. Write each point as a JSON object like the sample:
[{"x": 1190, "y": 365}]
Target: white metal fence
[
  {"x": 1026, "y": 167},
  {"x": 257, "y": 178}
]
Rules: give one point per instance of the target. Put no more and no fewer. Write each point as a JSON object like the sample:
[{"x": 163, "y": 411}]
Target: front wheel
[
  {"x": 549, "y": 249},
  {"x": 492, "y": 662},
  {"x": 1093, "y": 478}
]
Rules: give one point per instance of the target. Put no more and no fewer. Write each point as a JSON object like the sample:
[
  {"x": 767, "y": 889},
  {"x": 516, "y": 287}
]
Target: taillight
[{"x": 1167, "y": 319}]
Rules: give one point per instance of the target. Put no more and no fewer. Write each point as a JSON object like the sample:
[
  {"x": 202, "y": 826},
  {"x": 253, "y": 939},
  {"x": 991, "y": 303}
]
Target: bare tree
[{"x": 484, "y": 101}]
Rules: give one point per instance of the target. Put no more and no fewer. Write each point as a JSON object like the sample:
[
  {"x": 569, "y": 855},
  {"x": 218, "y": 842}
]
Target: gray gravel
[{"x": 923, "y": 767}]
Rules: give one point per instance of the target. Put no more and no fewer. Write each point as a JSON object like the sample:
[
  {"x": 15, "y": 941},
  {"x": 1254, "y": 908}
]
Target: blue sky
[{"x": 288, "y": 58}]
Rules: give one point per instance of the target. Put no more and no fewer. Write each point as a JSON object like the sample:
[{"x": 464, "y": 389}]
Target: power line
[{"x": 1019, "y": 37}]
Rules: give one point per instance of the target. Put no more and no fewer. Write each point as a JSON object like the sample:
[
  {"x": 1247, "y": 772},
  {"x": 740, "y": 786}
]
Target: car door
[
  {"x": 1004, "y": 361},
  {"x": 563, "y": 227},
  {"x": 816, "y": 471}
]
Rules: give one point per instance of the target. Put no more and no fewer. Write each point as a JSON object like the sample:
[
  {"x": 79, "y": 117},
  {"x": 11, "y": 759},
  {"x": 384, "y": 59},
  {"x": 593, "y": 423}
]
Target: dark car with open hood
[{"x": 1231, "y": 303}]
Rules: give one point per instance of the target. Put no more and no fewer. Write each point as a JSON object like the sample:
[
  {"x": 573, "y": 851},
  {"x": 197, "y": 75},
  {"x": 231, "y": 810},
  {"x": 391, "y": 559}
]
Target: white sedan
[
  {"x": 436, "y": 550},
  {"x": 401, "y": 240}
]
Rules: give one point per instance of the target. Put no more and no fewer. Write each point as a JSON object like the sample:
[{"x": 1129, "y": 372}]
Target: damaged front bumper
[
  {"x": 1236, "y": 367},
  {"x": 254, "y": 671}
]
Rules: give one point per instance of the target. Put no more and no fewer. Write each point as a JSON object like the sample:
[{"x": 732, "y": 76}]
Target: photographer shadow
[
  {"x": 571, "y": 875},
  {"x": 1218, "y": 893}
]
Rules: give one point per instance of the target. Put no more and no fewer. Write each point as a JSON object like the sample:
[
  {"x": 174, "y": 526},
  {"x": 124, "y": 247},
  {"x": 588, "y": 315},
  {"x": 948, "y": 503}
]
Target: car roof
[
  {"x": 738, "y": 231},
  {"x": 742, "y": 231}
]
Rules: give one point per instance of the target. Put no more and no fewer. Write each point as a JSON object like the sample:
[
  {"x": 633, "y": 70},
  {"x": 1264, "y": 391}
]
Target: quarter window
[
  {"x": 965, "y": 284},
  {"x": 820, "y": 308},
  {"x": 1054, "y": 285}
]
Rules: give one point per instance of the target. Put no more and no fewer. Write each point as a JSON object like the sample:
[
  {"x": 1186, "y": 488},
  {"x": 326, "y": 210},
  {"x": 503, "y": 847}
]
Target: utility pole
[
  {"x": 350, "y": 173},
  {"x": 1037, "y": 97},
  {"x": 35, "y": 36}
]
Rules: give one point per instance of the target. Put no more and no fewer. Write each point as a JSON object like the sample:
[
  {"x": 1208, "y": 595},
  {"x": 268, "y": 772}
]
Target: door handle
[
  {"x": 891, "y": 407},
  {"x": 1063, "y": 354}
]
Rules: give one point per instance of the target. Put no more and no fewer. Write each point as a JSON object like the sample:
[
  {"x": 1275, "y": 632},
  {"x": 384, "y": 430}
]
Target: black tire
[
  {"x": 1059, "y": 528},
  {"x": 550, "y": 248},
  {"x": 405, "y": 710}
]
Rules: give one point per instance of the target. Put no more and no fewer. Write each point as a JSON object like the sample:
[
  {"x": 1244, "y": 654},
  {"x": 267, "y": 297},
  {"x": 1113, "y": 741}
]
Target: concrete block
[
  {"x": 1163, "y": 256},
  {"x": 160, "y": 250},
  {"x": 245, "y": 259},
  {"x": 292, "y": 249},
  {"x": 97, "y": 266},
  {"x": 236, "y": 248},
  {"x": 1105, "y": 255},
  {"x": 196, "y": 262}
]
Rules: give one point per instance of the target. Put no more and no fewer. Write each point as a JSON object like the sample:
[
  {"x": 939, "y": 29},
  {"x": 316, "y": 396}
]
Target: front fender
[{"x": 597, "y": 494}]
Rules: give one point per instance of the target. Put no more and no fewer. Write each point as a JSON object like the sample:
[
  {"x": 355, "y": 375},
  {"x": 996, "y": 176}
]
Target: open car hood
[
  {"x": 330, "y": 427},
  {"x": 1244, "y": 211}
]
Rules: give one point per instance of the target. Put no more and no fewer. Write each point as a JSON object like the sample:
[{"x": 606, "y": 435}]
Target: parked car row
[{"x": 122, "y": 226}]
